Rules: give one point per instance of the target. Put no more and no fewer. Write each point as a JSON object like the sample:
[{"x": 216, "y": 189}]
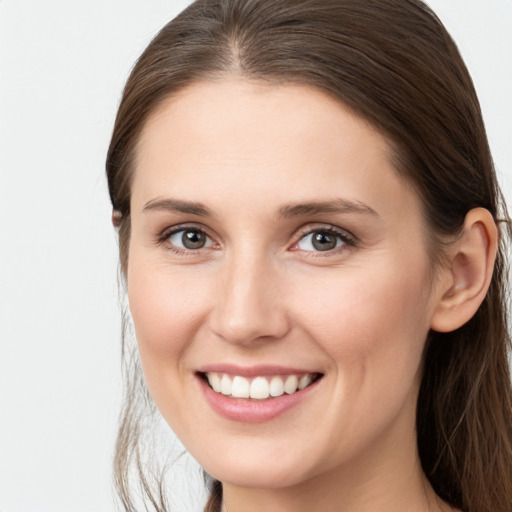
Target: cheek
[
  {"x": 168, "y": 308},
  {"x": 373, "y": 328},
  {"x": 373, "y": 325},
  {"x": 168, "y": 311}
]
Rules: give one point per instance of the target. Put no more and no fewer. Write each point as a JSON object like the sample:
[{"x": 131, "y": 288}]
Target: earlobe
[
  {"x": 117, "y": 217},
  {"x": 469, "y": 271}
]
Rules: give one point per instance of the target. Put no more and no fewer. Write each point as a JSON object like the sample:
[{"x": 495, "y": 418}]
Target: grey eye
[{"x": 320, "y": 240}]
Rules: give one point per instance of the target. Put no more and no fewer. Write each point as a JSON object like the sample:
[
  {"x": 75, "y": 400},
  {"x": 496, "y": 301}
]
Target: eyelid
[
  {"x": 346, "y": 236},
  {"x": 165, "y": 234}
]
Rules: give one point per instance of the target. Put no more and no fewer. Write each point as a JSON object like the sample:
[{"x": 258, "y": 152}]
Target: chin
[
  {"x": 249, "y": 476},
  {"x": 263, "y": 470}
]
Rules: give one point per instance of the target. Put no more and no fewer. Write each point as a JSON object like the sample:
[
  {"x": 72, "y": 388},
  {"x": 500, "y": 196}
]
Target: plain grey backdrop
[{"x": 62, "y": 67}]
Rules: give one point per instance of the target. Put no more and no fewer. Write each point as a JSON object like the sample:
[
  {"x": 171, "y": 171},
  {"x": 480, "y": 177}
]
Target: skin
[{"x": 259, "y": 293}]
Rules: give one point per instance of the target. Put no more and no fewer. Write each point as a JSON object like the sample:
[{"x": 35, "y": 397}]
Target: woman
[{"x": 312, "y": 238}]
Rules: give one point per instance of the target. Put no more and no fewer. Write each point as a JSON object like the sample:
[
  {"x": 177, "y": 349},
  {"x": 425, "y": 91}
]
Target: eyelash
[
  {"x": 166, "y": 234},
  {"x": 346, "y": 238}
]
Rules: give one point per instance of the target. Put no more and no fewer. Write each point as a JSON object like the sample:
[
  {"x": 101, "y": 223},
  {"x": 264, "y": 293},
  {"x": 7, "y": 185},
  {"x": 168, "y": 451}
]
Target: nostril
[{"x": 253, "y": 327}]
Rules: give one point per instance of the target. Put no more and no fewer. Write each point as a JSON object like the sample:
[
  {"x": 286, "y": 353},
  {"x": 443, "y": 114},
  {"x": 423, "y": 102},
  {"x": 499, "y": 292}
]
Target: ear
[
  {"x": 117, "y": 217},
  {"x": 468, "y": 272}
]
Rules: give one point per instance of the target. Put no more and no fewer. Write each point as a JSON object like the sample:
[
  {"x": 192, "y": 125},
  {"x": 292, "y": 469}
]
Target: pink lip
[
  {"x": 253, "y": 371},
  {"x": 246, "y": 410}
]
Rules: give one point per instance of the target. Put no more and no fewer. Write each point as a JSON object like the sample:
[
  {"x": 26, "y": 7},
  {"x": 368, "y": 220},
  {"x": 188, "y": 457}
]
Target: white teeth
[
  {"x": 305, "y": 381},
  {"x": 291, "y": 384},
  {"x": 214, "y": 380},
  {"x": 240, "y": 388},
  {"x": 276, "y": 386},
  {"x": 226, "y": 385},
  {"x": 259, "y": 388}
]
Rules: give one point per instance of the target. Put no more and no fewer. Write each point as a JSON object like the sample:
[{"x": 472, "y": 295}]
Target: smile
[
  {"x": 257, "y": 394},
  {"x": 258, "y": 387}
]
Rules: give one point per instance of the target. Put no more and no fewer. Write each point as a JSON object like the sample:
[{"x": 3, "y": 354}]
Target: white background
[{"x": 62, "y": 67}]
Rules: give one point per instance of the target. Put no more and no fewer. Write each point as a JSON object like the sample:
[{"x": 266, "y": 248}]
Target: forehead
[
  {"x": 245, "y": 115},
  {"x": 214, "y": 140}
]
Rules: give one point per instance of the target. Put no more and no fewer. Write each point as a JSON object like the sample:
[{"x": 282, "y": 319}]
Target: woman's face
[{"x": 273, "y": 248}]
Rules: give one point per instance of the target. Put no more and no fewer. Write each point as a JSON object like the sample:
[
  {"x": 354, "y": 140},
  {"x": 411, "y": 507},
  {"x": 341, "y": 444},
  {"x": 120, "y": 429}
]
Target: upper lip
[{"x": 254, "y": 371}]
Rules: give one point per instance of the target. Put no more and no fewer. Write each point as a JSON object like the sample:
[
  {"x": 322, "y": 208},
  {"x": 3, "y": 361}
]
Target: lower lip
[{"x": 246, "y": 410}]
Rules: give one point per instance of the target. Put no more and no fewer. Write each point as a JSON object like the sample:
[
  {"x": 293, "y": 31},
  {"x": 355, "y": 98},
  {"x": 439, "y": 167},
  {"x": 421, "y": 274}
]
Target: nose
[{"x": 249, "y": 305}]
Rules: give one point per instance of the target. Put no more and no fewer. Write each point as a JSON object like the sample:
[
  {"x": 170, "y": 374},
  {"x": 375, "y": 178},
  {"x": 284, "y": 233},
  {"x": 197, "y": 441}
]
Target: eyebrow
[
  {"x": 318, "y": 207},
  {"x": 177, "y": 205},
  {"x": 287, "y": 211}
]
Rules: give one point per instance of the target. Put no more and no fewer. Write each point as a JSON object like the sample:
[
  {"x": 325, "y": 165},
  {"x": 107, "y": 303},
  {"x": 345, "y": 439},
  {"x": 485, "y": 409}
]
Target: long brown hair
[{"x": 393, "y": 63}]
